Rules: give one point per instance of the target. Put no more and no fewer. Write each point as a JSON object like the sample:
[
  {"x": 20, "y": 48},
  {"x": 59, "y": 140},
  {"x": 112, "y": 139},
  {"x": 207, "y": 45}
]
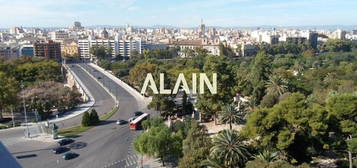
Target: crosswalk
[{"x": 130, "y": 162}]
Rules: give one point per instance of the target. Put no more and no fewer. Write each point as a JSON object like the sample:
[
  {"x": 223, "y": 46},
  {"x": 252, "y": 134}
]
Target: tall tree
[
  {"x": 196, "y": 147},
  {"x": 261, "y": 70},
  {"x": 276, "y": 85},
  {"x": 290, "y": 126},
  {"x": 343, "y": 109},
  {"x": 138, "y": 74},
  {"x": 233, "y": 114},
  {"x": 101, "y": 51},
  {"x": 159, "y": 142},
  {"x": 210, "y": 104},
  {"x": 164, "y": 104},
  {"x": 8, "y": 91},
  {"x": 229, "y": 148}
]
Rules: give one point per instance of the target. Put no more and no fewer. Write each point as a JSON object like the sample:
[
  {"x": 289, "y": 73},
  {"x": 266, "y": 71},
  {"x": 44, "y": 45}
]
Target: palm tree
[
  {"x": 213, "y": 163},
  {"x": 276, "y": 85},
  {"x": 233, "y": 114},
  {"x": 299, "y": 67},
  {"x": 228, "y": 147}
]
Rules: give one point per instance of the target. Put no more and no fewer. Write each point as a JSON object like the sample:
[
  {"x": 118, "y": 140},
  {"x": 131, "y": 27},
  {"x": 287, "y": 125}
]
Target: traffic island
[{"x": 76, "y": 130}]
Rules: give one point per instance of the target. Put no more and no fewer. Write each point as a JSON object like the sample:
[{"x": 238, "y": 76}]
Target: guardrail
[{"x": 81, "y": 87}]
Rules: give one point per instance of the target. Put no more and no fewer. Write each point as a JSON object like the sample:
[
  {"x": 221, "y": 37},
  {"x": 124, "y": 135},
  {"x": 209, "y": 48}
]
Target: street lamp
[{"x": 24, "y": 105}]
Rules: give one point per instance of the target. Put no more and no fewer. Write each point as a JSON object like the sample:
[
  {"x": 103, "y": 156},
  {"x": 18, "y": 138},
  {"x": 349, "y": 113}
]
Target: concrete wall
[{"x": 72, "y": 80}]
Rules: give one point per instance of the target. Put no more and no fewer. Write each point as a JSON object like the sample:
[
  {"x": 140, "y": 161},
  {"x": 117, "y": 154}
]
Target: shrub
[
  {"x": 93, "y": 117},
  {"x": 86, "y": 119}
]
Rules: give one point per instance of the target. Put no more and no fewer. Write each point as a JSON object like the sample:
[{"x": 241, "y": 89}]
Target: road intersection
[{"x": 105, "y": 145}]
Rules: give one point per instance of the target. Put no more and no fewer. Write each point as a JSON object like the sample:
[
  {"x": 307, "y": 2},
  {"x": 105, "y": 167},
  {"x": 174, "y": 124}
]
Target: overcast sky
[{"x": 44, "y": 13}]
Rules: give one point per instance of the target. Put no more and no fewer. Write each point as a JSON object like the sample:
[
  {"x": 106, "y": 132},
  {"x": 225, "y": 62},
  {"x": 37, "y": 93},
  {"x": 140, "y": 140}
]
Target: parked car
[
  {"x": 60, "y": 150},
  {"x": 70, "y": 155},
  {"x": 65, "y": 141},
  {"x": 121, "y": 122},
  {"x": 138, "y": 113}
]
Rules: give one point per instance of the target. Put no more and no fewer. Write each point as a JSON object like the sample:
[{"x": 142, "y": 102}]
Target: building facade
[
  {"x": 26, "y": 51},
  {"x": 49, "y": 49},
  {"x": 296, "y": 40},
  {"x": 59, "y": 35},
  {"x": 185, "y": 45},
  {"x": 8, "y": 52},
  {"x": 70, "y": 49},
  {"x": 119, "y": 47}
]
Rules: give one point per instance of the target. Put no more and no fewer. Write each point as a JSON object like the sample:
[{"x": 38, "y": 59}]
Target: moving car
[
  {"x": 65, "y": 141},
  {"x": 121, "y": 122},
  {"x": 70, "y": 155},
  {"x": 138, "y": 113},
  {"x": 60, "y": 150},
  {"x": 132, "y": 119}
]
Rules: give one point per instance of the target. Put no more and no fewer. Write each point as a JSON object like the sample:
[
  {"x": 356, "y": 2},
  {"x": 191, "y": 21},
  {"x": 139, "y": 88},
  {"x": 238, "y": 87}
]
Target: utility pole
[
  {"x": 13, "y": 117},
  {"x": 24, "y": 106}
]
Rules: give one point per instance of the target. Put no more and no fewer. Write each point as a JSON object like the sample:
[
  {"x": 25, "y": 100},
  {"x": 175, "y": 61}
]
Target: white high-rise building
[
  {"x": 339, "y": 34},
  {"x": 119, "y": 47},
  {"x": 265, "y": 36}
]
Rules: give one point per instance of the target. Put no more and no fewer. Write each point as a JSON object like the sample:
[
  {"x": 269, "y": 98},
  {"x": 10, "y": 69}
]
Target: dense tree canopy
[
  {"x": 8, "y": 89},
  {"x": 101, "y": 51},
  {"x": 289, "y": 126},
  {"x": 159, "y": 142},
  {"x": 302, "y": 99}
]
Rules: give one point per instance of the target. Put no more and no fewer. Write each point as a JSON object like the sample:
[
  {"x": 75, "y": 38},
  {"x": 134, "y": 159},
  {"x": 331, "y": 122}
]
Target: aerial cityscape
[{"x": 186, "y": 84}]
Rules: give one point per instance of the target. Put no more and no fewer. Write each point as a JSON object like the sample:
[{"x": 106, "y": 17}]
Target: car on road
[
  {"x": 60, "y": 150},
  {"x": 99, "y": 77},
  {"x": 65, "y": 141},
  {"x": 121, "y": 122},
  {"x": 132, "y": 119},
  {"x": 138, "y": 113},
  {"x": 70, "y": 155}
]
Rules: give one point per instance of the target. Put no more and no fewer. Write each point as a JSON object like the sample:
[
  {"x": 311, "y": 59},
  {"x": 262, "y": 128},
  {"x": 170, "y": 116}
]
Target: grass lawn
[
  {"x": 106, "y": 116},
  {"x": 73, "y": 131}
]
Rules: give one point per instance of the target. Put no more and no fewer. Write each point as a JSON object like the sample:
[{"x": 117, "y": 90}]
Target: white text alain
[{"x": 181, "y": 81}]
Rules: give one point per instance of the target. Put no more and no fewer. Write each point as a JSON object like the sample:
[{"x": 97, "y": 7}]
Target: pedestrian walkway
[
  {"x": 152, "y": 163},
  {"x": 130, "y": 161}
]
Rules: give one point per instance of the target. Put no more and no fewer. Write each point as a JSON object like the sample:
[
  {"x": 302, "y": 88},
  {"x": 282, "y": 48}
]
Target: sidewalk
[{"x": 151, "y": 163}]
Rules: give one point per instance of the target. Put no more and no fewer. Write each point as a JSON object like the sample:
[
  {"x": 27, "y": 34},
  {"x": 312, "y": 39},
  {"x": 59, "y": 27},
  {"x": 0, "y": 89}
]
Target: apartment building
[
  {"x": 9, "y": 52},
  {"x": 119, "y": 47},
  {"x": 48, "y": 49}
]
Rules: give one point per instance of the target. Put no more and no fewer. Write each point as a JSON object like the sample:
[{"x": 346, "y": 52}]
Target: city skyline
[{"x": 183, "y": 13}]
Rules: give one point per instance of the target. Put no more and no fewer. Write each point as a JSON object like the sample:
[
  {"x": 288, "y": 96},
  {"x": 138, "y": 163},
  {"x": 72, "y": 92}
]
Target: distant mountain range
[{"x": 313, "y": 27}]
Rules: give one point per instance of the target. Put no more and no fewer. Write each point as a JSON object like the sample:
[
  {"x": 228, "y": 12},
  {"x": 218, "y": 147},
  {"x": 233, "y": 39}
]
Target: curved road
[{"x": 107, "y": 145}]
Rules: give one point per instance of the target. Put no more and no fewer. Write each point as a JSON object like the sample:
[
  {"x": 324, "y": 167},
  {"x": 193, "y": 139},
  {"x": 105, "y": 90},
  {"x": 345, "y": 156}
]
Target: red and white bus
[{"x": 136, "y": 124}]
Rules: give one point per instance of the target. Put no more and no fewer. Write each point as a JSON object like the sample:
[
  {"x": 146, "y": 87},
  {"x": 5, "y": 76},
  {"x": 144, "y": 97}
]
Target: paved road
[{"x": 107, "y": 145}]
